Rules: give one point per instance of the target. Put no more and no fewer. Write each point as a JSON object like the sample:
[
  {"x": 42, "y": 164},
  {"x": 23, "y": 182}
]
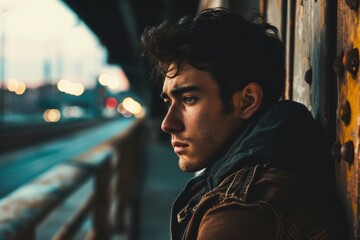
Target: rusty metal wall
[
  {"x": 320, "y": 35},
  {"x": 346, "y": 68},
  {"x": 308, "y": 29},
  {"x": 314, "y": 82}
]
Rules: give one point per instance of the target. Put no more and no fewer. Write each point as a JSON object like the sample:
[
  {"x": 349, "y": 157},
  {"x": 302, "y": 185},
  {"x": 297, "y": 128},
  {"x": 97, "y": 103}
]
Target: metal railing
[{"x": 113, "y": 166}]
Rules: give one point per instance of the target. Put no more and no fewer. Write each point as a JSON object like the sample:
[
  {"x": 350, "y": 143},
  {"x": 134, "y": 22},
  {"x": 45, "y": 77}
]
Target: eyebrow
[{"x": 179, "y": 91}]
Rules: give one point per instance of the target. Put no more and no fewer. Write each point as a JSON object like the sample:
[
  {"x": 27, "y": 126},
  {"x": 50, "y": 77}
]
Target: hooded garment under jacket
[{"x": 275, "y": 181}]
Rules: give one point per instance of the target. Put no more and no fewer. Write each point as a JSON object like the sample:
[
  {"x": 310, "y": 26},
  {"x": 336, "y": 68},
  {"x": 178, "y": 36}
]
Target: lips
[{"x": 179, "y": 147}]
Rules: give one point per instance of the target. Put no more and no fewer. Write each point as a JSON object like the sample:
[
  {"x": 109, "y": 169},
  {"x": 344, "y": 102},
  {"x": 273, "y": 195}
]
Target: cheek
[
  {"x": 200, "y": 122},
  {"x": 206, "y": 124},
  {"x": 207, "y": 127}
]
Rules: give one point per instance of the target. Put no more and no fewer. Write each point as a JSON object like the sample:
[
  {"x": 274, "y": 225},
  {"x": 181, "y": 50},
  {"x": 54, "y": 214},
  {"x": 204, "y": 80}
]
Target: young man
[{"x": 267, "y": 174}]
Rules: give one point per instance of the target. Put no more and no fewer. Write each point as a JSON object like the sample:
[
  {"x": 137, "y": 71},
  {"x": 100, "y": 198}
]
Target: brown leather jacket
[
  {"x": 260, "y": 202},
  {"x": 276, "y": 181}
]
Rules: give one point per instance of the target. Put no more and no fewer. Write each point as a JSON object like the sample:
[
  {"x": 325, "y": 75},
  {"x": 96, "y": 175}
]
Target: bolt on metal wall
[{"x": 346, "y": 68}]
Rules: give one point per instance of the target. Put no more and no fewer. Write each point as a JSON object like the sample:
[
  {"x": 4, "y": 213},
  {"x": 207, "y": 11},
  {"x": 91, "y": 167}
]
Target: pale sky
[{"x": 39, "y": 31}]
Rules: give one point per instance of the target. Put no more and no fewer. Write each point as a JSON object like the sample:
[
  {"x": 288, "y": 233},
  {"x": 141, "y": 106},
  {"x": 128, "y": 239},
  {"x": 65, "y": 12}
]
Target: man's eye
[{"x": 189, "y": 100}]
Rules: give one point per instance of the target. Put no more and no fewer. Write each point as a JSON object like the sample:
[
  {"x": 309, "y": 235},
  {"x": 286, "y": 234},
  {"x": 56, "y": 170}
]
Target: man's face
[{"x": 195, "y": 118}]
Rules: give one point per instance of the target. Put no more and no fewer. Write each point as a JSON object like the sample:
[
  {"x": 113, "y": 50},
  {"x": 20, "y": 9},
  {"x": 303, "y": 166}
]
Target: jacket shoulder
[
  {"x": 235, "y": 220},
  {"x": 288, "y": 203}
]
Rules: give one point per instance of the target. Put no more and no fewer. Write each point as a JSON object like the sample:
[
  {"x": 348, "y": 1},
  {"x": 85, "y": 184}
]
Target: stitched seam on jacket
[
  {"x": 287, "y": 227},
  {"x": 231, "y": 184},
  {"x": 238, "y": 182},
  {"x": 221, "y": 187},
  {"x": 245, "y": 187}
]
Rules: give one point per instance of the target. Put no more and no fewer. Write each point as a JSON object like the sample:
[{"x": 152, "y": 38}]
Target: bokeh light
[
  {"x": 111, "y": 103},
  {"x": 103, "y": 79},
  {"x": 14, "y": 85},
  {"x": 52, "y": 115},
  {"x": 20, "y": 88},
  {"x": 131, "y": 106},
  {"x": 69, "y": 87},
  {"x": 114, "y": 78},
  {"x": 141, "y": 114},
  {"x": 73, "y": 112}
]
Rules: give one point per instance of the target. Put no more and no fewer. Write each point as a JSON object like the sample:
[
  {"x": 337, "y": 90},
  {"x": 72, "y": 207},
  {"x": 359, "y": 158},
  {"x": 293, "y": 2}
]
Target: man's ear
[{"x": 247, "y": 101}]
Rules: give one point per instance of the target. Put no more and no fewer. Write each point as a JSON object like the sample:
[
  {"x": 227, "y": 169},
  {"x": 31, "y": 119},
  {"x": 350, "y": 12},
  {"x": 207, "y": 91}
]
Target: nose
[{"x": 172, "y": 122}]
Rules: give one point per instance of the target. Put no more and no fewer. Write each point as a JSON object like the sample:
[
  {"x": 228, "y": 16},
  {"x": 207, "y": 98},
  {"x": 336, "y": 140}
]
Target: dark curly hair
[{"x": 233, "y": 50}]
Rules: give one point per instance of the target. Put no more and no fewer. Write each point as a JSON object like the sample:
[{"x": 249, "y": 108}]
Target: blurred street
[{"x": 20, "y": 166}]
